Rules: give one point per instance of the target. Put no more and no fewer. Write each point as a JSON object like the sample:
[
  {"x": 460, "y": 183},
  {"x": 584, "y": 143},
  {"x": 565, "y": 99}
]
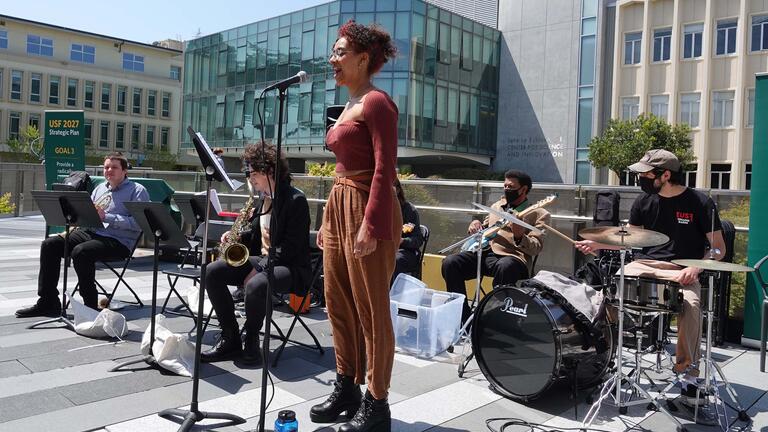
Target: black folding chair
[
  {"x": 111, "y": 265},
  {"x": 425, "y": 235}
]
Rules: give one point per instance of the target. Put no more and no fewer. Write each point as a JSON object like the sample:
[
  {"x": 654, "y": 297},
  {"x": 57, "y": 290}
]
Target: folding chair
[
  {"x": 285, "y": 338},
  {"x": 422, "y": 251},
  {"x": 108, "y": 263}
]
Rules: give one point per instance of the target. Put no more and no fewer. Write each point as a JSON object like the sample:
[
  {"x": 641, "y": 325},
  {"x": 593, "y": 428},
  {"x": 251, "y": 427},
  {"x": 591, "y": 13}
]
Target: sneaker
[{"x": 43, "y": 308}]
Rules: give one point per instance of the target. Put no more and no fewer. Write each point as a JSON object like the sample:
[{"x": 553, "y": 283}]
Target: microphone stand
[{"x": 270, "y": 262}]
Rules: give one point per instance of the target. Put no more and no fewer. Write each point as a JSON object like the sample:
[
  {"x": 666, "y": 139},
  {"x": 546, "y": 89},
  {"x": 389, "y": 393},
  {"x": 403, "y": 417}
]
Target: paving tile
[
  {"x": 26, "y": 383},
  {"x": 31, "y": 404},
  {"x": 12, "y": 368}
]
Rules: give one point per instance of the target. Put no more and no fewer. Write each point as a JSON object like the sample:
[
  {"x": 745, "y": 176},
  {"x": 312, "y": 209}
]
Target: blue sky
[{"x": 151, "y": 20}]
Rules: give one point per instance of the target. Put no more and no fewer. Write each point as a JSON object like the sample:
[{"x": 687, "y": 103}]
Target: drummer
[
  {"x": 511, "y": 250},
  {"x": 685, "y": 216}
]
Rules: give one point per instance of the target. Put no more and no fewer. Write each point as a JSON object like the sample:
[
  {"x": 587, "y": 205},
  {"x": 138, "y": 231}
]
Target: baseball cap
[{"x": 656, "y": 158}]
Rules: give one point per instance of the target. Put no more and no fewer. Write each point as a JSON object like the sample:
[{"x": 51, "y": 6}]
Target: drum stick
[{"x": 563, "y": 236}]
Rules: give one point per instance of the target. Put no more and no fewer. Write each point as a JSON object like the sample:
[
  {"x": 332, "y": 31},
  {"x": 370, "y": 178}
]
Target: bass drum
[{"x": 525, "y": 339}]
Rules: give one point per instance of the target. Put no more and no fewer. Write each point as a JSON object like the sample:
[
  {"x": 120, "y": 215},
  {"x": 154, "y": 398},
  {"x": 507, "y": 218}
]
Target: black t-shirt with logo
[{"x": 685, "y": 218}]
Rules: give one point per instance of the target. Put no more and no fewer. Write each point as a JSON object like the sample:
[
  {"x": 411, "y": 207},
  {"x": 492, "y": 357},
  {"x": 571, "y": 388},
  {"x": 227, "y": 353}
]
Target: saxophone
[{"x": 231, "y": 250}]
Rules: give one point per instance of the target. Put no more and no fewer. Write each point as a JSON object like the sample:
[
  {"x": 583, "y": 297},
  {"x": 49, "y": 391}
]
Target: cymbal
[
  {"x": 713, "y": 265},
  {"x": 624, "y": 236}
]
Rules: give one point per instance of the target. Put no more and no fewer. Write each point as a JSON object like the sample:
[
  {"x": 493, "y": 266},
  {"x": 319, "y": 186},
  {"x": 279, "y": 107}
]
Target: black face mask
[
  {"x": 511, "y": 195},
  {"x": 647, "y": 185}
]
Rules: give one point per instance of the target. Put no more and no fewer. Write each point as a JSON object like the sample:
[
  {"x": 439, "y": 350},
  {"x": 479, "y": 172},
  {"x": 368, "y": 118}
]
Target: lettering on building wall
[{"x": 533, "y": 148}]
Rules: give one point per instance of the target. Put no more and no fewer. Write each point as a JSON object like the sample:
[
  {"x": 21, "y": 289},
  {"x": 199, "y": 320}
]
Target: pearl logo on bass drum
[{"x": 510, "y": 308}]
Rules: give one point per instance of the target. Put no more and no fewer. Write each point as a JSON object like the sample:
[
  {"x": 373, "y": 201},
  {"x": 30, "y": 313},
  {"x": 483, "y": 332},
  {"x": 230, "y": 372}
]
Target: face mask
[
  {"x": 511, "y": 195},
  {"x": 647, "y": 185}
]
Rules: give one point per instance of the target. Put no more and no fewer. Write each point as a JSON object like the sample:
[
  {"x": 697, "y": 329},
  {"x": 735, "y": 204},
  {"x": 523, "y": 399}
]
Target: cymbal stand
[
  {"x": 619, "y": 379},
  {"x": 464, "y": 334}
]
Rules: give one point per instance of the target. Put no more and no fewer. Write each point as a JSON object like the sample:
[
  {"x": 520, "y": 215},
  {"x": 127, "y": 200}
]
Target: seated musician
[
  {"x": 685, "y": 215},
  {"x": 291, "y": 258},
  {"x": 407, "y": 259},
  {"x": 511, "y": 250},
  {"x": 88, "y": 245}
]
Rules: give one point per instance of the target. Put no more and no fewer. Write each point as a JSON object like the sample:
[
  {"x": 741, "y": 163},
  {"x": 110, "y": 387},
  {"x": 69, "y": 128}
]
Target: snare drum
[{"x": 649, "y": 293}]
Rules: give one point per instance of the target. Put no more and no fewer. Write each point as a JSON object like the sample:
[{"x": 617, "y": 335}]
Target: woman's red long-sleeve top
[{"x": 371, "y": 144}]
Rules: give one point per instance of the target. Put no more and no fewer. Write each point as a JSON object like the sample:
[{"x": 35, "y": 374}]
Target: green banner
[
  {"x": 64, "y": 144},
  {"x": 758, "y": 211}
]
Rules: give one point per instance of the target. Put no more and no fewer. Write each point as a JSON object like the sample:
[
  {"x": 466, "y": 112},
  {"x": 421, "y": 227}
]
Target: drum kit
[{"x": 527, "y": 338}]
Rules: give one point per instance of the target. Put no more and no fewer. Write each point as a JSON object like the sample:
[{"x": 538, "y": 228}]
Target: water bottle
[{"x": 286, "y": 422}]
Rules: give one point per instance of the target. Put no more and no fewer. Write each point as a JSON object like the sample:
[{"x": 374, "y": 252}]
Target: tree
[
  {"x": 624, "y": 142},
  {"x": 28, "y": 146}
]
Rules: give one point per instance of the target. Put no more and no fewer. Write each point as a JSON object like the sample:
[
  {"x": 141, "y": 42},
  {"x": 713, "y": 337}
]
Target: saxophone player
[
  {"x": 291, "y": 257},
  {"x": 90, "y": 245}
]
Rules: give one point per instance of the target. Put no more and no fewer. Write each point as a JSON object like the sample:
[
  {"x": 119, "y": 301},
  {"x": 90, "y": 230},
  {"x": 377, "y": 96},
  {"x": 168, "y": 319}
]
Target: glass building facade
[{"x": 444, "y": 79}]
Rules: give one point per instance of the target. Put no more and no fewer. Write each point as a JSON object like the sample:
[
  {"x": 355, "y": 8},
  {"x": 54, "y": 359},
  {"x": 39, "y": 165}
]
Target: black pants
[
  {"x": 85, "y": 249},
  {"x": 406, "y": 261},
  {"x": 458, "y": 268},
  {"x": 219, "y": 274}
]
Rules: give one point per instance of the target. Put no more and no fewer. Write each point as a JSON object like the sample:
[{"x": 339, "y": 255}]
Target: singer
[
  {"x": 360, "y": 233},
  {"x": 89, "y": 245}
]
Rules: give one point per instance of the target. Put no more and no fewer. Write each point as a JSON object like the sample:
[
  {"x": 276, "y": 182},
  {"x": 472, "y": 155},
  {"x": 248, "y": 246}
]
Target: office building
[{"x": 130, "y": 91}]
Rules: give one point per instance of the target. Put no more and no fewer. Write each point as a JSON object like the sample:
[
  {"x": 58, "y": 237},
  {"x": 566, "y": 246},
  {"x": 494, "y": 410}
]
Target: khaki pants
[
  {"x": 689, "y": 323},
  {"x": 357, "y": 290}
]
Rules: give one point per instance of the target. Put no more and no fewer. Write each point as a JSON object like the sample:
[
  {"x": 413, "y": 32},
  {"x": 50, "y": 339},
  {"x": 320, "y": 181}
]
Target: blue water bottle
[{"x": 286, "y": 422}]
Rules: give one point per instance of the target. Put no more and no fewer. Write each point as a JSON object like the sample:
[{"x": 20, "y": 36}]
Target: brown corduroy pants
[
  {"x": 357, "y": 290},
  {"x": 687, "y": 352}
]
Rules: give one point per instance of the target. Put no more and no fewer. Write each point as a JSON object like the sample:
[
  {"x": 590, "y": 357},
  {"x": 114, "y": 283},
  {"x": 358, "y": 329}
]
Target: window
[
  {"x": 104, "y": 134},
  {"x": 88, "y": 101},
  {"x": 17, "y": 78},
  {"x": 726, "y": 37},
  {"x": 630, "y": 107},
  {"x": 135, "y": 134},
  {"x": 34, "y": 87},
  {"x": 82, "y": 53},
  {"x": 120, "y": 135},
  {"x": 166, "y": 105},
  {"x": 150, "y": 143},
  {"x": 1, "y": 84},
  {"x": 14, "y": 125},
  {"x": 659, "y": 106},
  {"x": 760, "y": 33},
  {"x": 444, "y": 39},
  {"x": 34, "y": 120},
  {"x": 136, "y": 106},
  {"x": 151, "y": 102},
  {"x": 748, "y": 177},
  {"x": 441, "y": 117},
  {"x": 720, "y": 176},
  {"x": 122, "y": 95},
  {"x": 175, "y": 73},
  {"x": 106, "y": 96},
  {"x": 164, "y": 134},
  {"x": 689, "y": 175},
  {"x": 689, "y": 109},
  {"x": 662, "y": 42},
  {"x": 628, "y": 178},
  {"x": 632, "y": 47},
  {"x": 88, "y": 132},
  {"x": 133, "y": 62},
  {"x": 54, "y": 83},
  {"x": 750, "y": 107},
  {"x": 4, "y": 39},
  {"x": 37, "y": 45},
  {"x": 722, "y": 109},
  {"x": 466, "y": 50},
  {"x": 692, "y": 40},
  {"x": 72, "y": 92}
]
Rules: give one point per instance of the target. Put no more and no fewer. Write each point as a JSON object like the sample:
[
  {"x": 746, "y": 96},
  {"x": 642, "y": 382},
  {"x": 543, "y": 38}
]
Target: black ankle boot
[
  {"x": 346, "y": 396},
  {"x": 252, "y": 350},
  {"x": 373, "y": 416},
  {"x": 227, "y": 347}
]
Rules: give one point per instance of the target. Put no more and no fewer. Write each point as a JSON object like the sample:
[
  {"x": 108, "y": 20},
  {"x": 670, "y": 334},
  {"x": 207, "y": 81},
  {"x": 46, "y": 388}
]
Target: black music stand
[
  {"x": 68, "y": 209},
  {"x": 213, "y": 171},
  {"x": 156, "y": 222}
]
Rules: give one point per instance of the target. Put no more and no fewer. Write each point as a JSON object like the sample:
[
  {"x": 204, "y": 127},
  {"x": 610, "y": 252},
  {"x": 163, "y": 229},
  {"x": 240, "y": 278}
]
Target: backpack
[
  {"x": 606, "y": 208},
  {"x": 75, "y": 181}
]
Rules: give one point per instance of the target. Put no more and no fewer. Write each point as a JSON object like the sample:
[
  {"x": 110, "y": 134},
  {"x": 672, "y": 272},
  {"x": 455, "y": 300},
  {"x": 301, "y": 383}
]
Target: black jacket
[
  {"x": 414, "y": 239},
  {"x": 291, "y": 239}
]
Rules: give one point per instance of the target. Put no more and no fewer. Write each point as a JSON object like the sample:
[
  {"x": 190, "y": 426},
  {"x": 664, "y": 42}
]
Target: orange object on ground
[{"x": 294, "y": 302}]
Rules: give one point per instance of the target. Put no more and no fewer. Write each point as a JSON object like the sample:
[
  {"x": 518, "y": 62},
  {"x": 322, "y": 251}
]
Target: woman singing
[{"x": 361, "y": 233}]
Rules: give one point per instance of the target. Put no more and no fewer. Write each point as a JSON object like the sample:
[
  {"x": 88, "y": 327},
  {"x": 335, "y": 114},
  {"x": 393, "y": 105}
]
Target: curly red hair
[{"x": 371, "y": 39}]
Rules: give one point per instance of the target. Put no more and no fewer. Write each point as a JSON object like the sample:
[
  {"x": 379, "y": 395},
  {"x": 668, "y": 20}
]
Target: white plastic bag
[
  {"x": 98, "y": 324},
  {"x": 172, "y": 351}
]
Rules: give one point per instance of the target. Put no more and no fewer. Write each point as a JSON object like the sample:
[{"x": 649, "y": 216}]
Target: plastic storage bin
[{"x": 426, "y": 322}]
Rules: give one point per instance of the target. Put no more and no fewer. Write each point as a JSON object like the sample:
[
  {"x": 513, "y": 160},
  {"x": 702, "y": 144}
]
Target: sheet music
[{"x": 214, "y": 200}]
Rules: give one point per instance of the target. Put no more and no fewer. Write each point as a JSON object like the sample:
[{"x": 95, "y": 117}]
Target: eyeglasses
[
  {"x": 338, "y": 53},
  {"x": 511, "y": 189}
]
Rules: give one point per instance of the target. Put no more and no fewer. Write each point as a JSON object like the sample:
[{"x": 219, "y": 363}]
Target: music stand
[
  {"x": 68, "y": 209},
  {"x": 213, "y": 171},
  {"x": 156, "y": 222}
]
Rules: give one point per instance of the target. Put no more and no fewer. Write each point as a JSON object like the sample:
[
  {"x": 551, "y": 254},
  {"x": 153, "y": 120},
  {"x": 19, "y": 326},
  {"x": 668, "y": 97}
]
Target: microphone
[{"x": 300, "y": 77}]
